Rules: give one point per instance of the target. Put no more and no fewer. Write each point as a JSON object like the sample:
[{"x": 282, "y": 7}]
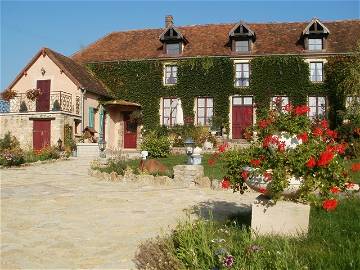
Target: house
[{"x": 86, "y": 96}]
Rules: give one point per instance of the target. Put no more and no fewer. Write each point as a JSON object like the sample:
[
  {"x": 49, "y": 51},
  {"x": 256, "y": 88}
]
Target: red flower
[
  {"x": 211, "y": 162},
  {"x": 270, "y": 140},
  {"x": 262, "y": 190},
  {"x": 325, "y": 158},
  {"x": 331, "y": 133},
  {"x": 245, "y": 175},
  {"x": 324, "y": 124},
  {"x": 302, "y": 109},
  {"x": 330, "y": 205},
  {"x": 255, "y": 162},
  {"x": 340, "y": 148},
  {"x": 355, "y": 167},
  {"x": 335, "y": 190},
  {"x": 311, "y": 163},
  {"x": 303, "y": 136},
  {"x": 225, "y": 183},
  {"x": 349, "y": 185},
  {"x": 267, "y": 176},
  {"x": 223, "y": 147},
  {"x": 263, "y": 123},
  {"x": 317, "y": 132},
  {"x": 281, "y": 147},
  {"x": 288, "y": 107}
]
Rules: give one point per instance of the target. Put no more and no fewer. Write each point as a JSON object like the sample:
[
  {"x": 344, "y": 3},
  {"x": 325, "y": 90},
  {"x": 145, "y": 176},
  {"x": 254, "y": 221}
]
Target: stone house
[{"x": 83, "y": 100}]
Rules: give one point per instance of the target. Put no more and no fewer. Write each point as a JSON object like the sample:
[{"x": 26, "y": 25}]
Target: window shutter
[
  {"x": 91, "y": 117},
  {"x": 101, "y": 126}
]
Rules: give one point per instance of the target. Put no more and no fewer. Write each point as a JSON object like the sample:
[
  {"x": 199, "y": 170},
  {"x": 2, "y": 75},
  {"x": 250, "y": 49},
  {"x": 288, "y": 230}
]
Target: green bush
[
  {"x": 157, "y": 146},
  {"x": 12, "y": 157},
  {"x": 8, "y": 142},
  {"x": 114, "y": 165},
  {"x": 46, "y": 153}
]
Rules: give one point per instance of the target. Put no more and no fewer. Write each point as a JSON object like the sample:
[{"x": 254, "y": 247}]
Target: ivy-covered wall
[{"x": 142, "y": 82}]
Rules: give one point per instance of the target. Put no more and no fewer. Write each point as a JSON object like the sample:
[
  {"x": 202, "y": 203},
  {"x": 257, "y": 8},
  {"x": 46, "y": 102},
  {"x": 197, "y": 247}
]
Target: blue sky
[{"x": 67, "y": 26}]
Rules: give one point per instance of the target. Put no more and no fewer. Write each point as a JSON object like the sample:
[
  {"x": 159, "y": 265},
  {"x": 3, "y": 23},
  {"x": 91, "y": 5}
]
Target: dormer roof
[
  {"x": 315, "y": 27},
  {"x": 241, "y": 29}
]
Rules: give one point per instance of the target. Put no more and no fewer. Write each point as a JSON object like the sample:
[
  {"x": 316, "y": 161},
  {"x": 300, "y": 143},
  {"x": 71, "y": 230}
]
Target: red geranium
[
  {"x": 281, "y": 147},
  {"x": 225, "y": 183},
  {"x": 317, "y": 132},
  {"x": 245, "y": 175},
  {"x": 288, "y": 107},
  {"x": 311, "y": 162},
  {"x": 303, "y": 136},
  {"x": 324, "y": 124},
  {"x": 255, "y": 162},
  {"x": 330, "y": 205},
  {"x": 302, "y": 109},
  {"x": 211, "y": 162},
  {"x": 264, "y": 123},
  {"x": 331, "y": 133},
  {"x": 262, "y": 190},
  {"x": 325, "y": 158},
  {"x": 335, "y": 190},
  {"x": 355, "y": 167},
  {"x": 223, "y": 147},
  {"x": 267, "y": 176}
]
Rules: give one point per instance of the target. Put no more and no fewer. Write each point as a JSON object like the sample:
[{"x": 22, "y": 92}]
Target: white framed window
[
  {"x": 242, "y": 46},
  {"x": 169, "y": 111},
  {"x": 173, "y": 48},
  {"x": 242, "y": 100},
  {"x": 170, "y": 74},
  {"x": 242, "y": 74},
  {"x": 315, "y": 44},
  {"x": 316, "y": 71},
  {"x": 317, "y": 105},
  {"x": 350, "y": 100},
  {"x": 279, "y": 102},
  {"x": 204, "y": 110}
]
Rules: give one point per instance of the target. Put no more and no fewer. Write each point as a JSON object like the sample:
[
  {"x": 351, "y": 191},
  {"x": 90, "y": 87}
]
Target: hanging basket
[{"x": 32, "y": 94}]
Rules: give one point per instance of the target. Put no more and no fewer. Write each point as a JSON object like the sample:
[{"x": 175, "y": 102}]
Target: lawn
[
  {"x": 332, "y": 243},
  {"x": 355, "y": 175}
]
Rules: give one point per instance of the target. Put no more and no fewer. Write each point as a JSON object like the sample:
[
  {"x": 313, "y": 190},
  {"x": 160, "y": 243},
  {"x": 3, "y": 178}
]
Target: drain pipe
[{"x": 83, "y": 93}]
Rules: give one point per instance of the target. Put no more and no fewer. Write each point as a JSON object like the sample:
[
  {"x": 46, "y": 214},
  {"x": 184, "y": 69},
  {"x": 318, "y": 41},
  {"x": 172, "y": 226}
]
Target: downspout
[{"x": 83, "y": 92}]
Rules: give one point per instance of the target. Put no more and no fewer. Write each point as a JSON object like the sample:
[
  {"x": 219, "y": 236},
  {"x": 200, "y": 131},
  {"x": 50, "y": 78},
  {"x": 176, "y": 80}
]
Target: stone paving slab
[{"x": 56, "y": 216}]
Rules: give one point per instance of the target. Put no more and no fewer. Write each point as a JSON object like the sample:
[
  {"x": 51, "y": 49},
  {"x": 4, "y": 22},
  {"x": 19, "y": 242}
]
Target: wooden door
[
  {"x": 242, "y": 118},
  {"x": 41, "y": 134},
  {"x": 130, "y": 130},
  {"x": 43, "y": 100}
]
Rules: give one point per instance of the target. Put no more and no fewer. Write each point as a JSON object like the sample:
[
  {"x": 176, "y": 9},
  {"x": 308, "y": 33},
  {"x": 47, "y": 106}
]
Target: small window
[
  {"x": 317, "y": 107},
  {"x": 242, "y": 74},
  {"x": 242, "y": 46},
  {"x": 204, "y": 109},
  {"x": 242, "y": 100},
  {"x": 315, "y": 44},
  {"x": 350, "y": 100},
  {"x": 173, "y": 48},
  {"x": 316, "y": 71},
  {"x": 279, "y": 102},
  {"x": 169, "y": 111},
  {"x": 170, "y": 74}
]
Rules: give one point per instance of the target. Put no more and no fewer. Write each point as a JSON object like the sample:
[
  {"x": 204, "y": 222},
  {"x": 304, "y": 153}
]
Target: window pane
[
  {"x": 209, "y": 112},
  {"x": 201, "y": 121},
  {"x": 170, "y": 74},
  {"x": 201, "y": 112},
  {"x": 312, "y": 101},
  {"x": 166, "y": 102},
  {"x": 242, "y": 46},
  {"x": 321, "y": 101},
  {"x": 210, "y": 102},
  {"x": 247, "y": 100},
  {"x": 237, "y": 101},
  {"x": 201, "y": 102},
  {"x": 173, "y": 48},
  {"x": 315, "y": 44}
]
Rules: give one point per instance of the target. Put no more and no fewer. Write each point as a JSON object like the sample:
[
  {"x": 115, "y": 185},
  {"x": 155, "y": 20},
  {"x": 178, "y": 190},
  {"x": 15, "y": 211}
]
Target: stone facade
[{"x": 188, "y": 173}]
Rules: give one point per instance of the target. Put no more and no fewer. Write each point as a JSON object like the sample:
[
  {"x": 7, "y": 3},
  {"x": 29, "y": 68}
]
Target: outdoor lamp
[
  {"x": 59, "y": 144},
  {"x": 102, "y": 147},
  {"x": 189, "y": 149}
]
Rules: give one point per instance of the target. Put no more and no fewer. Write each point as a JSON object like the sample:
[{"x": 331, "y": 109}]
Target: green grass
[
  {"x": 213, "y": 172},
  {"x": 332, "y": 243}
]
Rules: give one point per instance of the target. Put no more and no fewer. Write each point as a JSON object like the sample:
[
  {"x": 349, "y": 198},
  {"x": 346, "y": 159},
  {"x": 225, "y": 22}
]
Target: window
[
  {"x": 173, "y": 48},
  {"x": 169, "y": 111},
  {"x": 279, "y": 102},
  {"x": 170, "y": 74},
  {"x": 350, "y": 100},
  {"x": 242, "y": 46},
  {"x": 204, "y": 109},
  {"x": 317, "y": 107},
  {"x": 239, "y": 100},
  {"x": 242, "y": 74},
  {"x": 315, "y": 44},
  {"x": 316, "y": 71}
]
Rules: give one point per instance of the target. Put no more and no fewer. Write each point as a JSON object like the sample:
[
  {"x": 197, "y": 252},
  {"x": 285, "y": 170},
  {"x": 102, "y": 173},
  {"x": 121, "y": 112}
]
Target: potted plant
[
  {"x": 56, "y": 106},
  {"x": 23, "y": 107},
  {"x": 136, "y": 117},
  {"x": 292, "y": 158},
  {"x": 8, "y": 94},
  {"x": 216, "y": 125},
  {"x": 32, "y": 94}
]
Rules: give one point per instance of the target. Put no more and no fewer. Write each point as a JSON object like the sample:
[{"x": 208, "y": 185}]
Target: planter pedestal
[{"x": 284, "y": 218}]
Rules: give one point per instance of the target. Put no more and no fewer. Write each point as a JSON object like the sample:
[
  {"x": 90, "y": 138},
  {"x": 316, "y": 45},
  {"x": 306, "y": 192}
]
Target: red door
[
  {"x": 130, "y": 130},
  {"x": 242, "y": 118},
  {"x": 43, "y": 100},
  {"x": 41, "y": 134}
]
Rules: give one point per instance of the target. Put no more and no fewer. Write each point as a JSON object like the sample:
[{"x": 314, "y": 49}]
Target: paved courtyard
[{"x": 56, "y": 216}]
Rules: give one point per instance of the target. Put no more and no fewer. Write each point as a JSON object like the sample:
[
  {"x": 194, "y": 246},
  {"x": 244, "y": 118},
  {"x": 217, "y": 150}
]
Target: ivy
[{"x": 142, "y": 82}]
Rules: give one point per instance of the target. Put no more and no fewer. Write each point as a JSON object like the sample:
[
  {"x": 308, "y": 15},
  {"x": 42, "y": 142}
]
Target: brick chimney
[{"x": 169, "y": 20}]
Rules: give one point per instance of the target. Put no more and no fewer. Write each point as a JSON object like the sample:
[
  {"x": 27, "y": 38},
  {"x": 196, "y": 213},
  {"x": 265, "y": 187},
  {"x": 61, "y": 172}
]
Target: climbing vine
[{"x": 142, "y": 82}]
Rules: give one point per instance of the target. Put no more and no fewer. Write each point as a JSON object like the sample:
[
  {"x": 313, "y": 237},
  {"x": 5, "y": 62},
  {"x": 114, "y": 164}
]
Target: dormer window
[
  {"x": 315, "y": 35},
  {"x": 172, "y": 38},
  {"x": 241, "y": 38}
]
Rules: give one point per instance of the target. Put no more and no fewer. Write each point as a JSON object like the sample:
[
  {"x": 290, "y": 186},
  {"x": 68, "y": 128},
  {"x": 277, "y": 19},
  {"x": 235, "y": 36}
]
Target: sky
[{"x": 67, "y": 26}]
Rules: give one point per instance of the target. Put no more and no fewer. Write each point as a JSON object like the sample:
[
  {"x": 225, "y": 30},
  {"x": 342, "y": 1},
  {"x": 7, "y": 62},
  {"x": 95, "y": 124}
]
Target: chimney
[{"x": 169, "y": 20}]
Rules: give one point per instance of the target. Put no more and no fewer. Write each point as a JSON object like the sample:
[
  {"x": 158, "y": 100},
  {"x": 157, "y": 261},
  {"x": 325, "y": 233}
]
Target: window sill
[
  {"x": 317, "y": 82},
  {"x": 241, "y": 87},
  {"x": 167, "y": 84}
]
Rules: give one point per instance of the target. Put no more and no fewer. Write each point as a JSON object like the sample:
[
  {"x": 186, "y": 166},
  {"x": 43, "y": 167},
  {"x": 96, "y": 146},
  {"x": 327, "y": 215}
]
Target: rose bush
[{"x": 290, "y": 149}]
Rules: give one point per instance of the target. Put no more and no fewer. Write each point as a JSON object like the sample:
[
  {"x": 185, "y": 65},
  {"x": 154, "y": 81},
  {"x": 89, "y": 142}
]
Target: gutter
[{"x": 83, "y": 93}]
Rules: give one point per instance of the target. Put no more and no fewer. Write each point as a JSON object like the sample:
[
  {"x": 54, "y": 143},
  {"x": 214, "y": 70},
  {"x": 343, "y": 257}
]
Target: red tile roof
[{"x": 213, "y": 40}]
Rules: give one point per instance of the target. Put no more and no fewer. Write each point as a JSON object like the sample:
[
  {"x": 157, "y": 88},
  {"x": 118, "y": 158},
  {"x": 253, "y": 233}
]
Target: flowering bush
[
  {"x": 32, "y": 94},
  {"x": 289, "y": 148},
  {"x": 12, "y": 157},
  {"x": 8, "y": 94}
]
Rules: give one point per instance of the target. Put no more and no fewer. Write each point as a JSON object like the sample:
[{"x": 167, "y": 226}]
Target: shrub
[
  {"x": 46, "y": 153},
  {"x": 56, "y": 106},
  {"x": 157, "y": 254},
  {"x": 114, "y": 165},
  {"x": 157, "y": 146},
  {"x": 8, "y": 142},
  {"x": 8, "y": 94},
  {"x": 23, "y": 107},
  {"x": 12, "y": 157}
]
